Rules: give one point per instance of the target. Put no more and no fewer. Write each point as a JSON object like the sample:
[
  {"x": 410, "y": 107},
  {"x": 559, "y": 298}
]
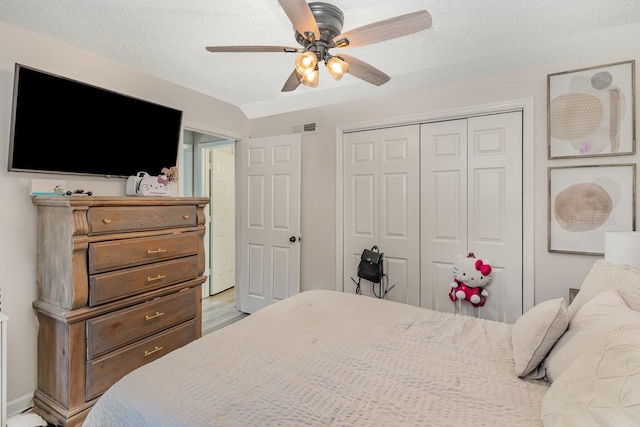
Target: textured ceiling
[{"x": 167, "y": 38}]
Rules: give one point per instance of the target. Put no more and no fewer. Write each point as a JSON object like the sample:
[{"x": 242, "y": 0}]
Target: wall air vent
[{"x": 305, "y": 128}]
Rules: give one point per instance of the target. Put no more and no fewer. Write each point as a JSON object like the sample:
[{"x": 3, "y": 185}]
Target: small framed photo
[
  {"x": 591, "y": 111},
  {"x": 586, "y": 201}
]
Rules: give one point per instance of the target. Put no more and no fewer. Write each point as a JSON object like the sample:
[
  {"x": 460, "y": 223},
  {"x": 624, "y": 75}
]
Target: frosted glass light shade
[
  {"x": 337, "y": 67},
  {"x": 622, "y": 247},
  {"x": 306, "y": 62},
  {"x": 310, "y": 79}
]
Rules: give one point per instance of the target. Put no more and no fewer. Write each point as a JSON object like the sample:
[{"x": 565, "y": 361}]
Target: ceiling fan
[{"x": 318, "y": 28}]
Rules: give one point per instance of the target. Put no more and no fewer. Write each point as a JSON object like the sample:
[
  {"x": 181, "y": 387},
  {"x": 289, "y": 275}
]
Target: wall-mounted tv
[{"x": 59, "y": 125}]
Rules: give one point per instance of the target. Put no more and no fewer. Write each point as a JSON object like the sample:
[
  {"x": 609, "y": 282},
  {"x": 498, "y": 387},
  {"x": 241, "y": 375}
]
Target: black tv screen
[{"x": 59, "y": 125}]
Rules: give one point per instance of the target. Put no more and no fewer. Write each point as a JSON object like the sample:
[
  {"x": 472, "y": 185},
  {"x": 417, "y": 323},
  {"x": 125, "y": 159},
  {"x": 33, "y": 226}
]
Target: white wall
[
  {"x": 18, "y": 214},
  {"x": 554, "y": 273}
]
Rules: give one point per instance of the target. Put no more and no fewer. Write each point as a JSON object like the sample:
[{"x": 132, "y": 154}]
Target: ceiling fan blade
[
  {"x": 292, "y": 82},
  {"x": 252, "y": 49},
  {"x": 387, "y": 29},
  {"x": 301, "y": 17},
  {"x": 364, "y": 71}
]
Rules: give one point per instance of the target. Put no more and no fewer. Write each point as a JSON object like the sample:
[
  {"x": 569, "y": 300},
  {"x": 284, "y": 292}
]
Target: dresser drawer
[
  {"x": 110, "y": 331},
  {"x": 102, "y": 373},
  {"x": 110, "y": 255},
  {"x": 118, "y": 284},
  {"x": 139, "y": 218}
]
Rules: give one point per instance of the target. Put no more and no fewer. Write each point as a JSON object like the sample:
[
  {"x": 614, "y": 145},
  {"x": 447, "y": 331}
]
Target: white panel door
[
  {"x": 495, "y": 209},
  {"x": 268, "y": 200},
  {"x": 471, "y": 201},
  {"x": 381, "y": 207},
  {"x": 443, "y": 154},
  {"x": 222, "y": 219}
]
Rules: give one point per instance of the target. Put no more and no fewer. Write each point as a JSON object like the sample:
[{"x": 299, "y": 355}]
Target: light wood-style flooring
[{"x": 219, "y": 311}]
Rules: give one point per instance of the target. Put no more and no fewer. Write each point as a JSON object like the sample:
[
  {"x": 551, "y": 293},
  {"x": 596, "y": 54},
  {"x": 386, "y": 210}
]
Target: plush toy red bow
[{"x": 485, "y": 269}]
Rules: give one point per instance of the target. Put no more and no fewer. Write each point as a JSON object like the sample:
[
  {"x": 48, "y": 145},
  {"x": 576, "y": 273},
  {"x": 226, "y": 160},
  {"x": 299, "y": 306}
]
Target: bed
[{"x": 326, "y": 358}]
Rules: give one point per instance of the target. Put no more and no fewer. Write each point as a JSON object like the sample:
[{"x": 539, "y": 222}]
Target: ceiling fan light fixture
[
  {"x": 337, "y": 67},
  {"x": 318, "y": 29},
  {"x": 306, "y": 62},
  {"x": 311, "y": 79}
]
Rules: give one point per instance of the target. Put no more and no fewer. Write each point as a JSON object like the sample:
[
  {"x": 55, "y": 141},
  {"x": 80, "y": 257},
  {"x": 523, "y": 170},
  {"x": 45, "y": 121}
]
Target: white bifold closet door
[
  {"x": 471, "y": 201},
  {"x": 381, "y": 207}
]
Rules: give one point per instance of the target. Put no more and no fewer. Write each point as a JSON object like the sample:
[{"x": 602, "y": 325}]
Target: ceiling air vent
[{"x": 307, "y": 127}]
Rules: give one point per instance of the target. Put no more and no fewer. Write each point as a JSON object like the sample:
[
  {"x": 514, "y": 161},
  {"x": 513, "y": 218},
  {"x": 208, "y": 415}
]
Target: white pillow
[
  {"x": 605, "y": 312},
  {"x": 535, "y": 332},
  {"x": 605, "y": 275},
  {"x": 602, "y": 386}
]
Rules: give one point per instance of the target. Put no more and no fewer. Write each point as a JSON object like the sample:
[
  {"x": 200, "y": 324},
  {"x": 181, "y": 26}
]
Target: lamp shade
[
  {"x": 306, "y": 63},
  {"x": 622, "y": 247},
  {"x": 310, "y": 79},
  {"x": 337, "y": 67}
]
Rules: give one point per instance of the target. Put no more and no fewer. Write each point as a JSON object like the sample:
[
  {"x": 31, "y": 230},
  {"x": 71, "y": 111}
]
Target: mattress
[{"x": 327, "y": 358}]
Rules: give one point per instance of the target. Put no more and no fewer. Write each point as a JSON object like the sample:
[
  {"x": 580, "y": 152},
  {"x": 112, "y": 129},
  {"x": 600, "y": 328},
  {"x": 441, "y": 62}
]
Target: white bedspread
[{"x": 326, "y": 358}]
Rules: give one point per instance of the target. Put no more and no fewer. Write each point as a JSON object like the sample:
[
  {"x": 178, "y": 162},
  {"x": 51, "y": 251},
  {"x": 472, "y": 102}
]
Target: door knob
[{"x": 292, "y": 239}]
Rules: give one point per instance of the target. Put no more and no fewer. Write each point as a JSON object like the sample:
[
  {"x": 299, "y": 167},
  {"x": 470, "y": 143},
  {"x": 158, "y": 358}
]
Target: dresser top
[{"x": 79, "y": 200}]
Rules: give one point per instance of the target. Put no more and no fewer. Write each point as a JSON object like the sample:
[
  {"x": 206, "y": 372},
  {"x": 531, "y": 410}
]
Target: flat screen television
[{"x": 59, "y": 125}]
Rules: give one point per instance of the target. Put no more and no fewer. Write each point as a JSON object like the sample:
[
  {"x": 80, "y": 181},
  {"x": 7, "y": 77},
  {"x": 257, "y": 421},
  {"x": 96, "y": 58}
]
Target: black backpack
[{"x": 371, "y": 268}]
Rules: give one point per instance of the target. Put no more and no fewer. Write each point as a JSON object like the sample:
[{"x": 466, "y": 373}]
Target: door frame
[
  {"x": 526, "y": 105},
  {"x": 195, "y": 160}
]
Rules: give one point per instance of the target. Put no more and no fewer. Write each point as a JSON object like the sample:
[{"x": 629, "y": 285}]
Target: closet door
[
  {"x": 381, "y": 207},
  {"x": 443, "y": 151},
  {"x": 471, "y": 201}
]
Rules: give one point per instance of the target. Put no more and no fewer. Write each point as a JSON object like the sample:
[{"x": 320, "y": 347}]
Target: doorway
[
  {"x": 220, "y": 186},
  {"x": 209, "y": 161}
]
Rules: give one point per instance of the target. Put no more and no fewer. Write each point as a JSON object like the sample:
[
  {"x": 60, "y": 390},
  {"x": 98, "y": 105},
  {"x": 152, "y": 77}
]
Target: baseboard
[{"x": 16, "y": 406}]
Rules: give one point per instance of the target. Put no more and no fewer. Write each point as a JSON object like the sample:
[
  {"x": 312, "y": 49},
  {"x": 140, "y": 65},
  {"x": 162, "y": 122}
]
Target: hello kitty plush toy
[{"x": 470, "y": 276}]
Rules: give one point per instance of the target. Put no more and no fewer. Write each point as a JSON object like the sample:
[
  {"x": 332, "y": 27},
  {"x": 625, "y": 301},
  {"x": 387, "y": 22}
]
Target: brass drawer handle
[
  {"x": 158, "y": 314},
  {"x": 106, "y": 221},
  {"x": 157, "y": 251},
  {"x": 149, "y": 353},
  {"x": 186, "y": 216},
  {"x": 158, "y": 277}
]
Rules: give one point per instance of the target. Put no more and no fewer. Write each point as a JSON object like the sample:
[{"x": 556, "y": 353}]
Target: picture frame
[
  {"x": 585, "y": 201},
  {"x": 591, "y": 111}
]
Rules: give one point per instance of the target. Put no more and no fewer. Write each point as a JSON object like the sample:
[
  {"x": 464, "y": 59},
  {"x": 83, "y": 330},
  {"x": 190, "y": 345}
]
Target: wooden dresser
[{"x": 118, "y": 286}]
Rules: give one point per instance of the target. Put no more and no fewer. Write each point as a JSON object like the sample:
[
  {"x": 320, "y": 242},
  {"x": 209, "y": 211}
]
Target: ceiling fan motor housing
[{"x": 330, "y": 19}]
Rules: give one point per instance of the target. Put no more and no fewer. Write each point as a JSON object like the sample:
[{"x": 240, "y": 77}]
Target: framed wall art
[
  {"x": 586, "y": 201},
  {"x": 591, "y": 111}
]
